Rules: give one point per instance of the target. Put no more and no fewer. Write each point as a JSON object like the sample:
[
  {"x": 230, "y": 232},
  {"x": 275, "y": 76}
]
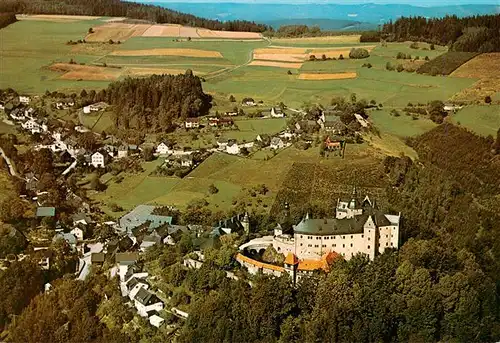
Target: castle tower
[{"x": 246, "y": 223}]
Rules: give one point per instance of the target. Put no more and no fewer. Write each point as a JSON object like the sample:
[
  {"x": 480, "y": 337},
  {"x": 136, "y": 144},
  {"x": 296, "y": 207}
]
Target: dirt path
[{"x": 228, "y": 70}]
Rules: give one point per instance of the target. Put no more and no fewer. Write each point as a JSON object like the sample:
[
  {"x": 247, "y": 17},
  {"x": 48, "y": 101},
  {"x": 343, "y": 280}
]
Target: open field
[
  {"x": 285, "y": 65},
  {"x": 402, "y": 126},
  {"x": 320, "y": 76},
  {"x": 484, "y": 67},
  {"x": 169, "y": 52},
  {"x": 85, "y": 72},
  {"x": 318, "y": 40},
  {"x": 55, "y": 18},
  {"x": 281, "y": 57},
  {"x": 116, "y": 32},
  {"x": 483, "y": 120},
  {"x": 119, "y": 31}
]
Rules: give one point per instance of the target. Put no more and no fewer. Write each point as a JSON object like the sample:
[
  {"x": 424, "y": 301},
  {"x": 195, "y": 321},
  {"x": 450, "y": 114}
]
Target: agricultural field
[
  {"x": 485, "y": 68},
  {"x": 483, "y": 120}
]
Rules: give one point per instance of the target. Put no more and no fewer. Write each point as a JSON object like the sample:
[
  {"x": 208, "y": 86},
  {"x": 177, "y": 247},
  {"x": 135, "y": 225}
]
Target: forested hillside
[
  {"x": 469, "y": 34},
  {"x": 118, "y": 8},
  {"x": 6, "y": 19},
  {"x": 153, "y": 103}
]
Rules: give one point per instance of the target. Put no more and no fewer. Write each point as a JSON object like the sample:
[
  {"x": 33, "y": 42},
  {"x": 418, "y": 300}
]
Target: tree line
[
  {"x": 6, "y": 19},
  {"x": 155, "y": 102},
  {"x": 469, "y": 34},
  {"x": 117, "y": 8}
]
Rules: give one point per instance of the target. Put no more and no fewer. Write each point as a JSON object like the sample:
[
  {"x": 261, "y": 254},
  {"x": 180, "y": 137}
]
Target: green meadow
[{"x": 483, "y": 120}]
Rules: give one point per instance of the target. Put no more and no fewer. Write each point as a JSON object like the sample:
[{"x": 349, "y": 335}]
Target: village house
[
  {"x": 222, "y": 143},
  {"x": 97, "y": 258},
  {"x": 276, "y": 143},
  {"x": 187, "y": 161},
  {"x": 64, "y": 105},
  {"x": 249, "y": 102},
  {"x": 97, "y": 160},
  {"x": 231, "y": 114},
  {"x": 32, "y": 125},
  {"x": 192, "y": 123},
  {"x": 362, "y": 121},
  {"x": 232, "y": 148},
  {"x": 156, "y": 321},
  {"x": 276, "y": 112},
  {"x": 122, "y": 151},
  {"x": 163, "y": 148},
  {"x": 146, "y": 302},
  {"x": 124, "y": 260},
  {"x": 24, "y": 99},
  {"x": 78, "y": 233},
  {"x": 18, "y": 114},
  {"x": 134, "y": 285},
  {"x": 220, "y": 122},
  {"x": 68, "y": 237},
  {"x": 95, "y": 107}
]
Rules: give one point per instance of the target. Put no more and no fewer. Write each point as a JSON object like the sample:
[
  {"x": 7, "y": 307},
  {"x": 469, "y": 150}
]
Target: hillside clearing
[{"x": 483, "y": 120}]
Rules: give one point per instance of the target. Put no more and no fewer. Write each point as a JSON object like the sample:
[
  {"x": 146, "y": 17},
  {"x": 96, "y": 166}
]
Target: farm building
[
  {"x": 277, "y": 112},
  {"x": 277, "y": 143},
  {"x": 142, "y": 214}
]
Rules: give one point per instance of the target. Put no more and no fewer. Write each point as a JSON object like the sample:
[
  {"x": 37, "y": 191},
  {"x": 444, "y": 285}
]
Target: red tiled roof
[
  {"x": 291, "y": 259},
  {"x": 243, "y": 258}
]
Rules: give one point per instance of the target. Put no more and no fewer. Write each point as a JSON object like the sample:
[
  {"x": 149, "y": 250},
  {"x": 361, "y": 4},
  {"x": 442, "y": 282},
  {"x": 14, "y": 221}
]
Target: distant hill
[
  {"x": 325, "y": 24},
  {"x": 365, "y": 13}
]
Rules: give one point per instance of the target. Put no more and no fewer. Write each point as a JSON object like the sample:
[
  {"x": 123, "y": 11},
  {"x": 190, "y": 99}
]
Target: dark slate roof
[
  {"x": 331, "y": 226},
  {"x": 143, "y": 296},
  {"x": 97, "y": 257}
]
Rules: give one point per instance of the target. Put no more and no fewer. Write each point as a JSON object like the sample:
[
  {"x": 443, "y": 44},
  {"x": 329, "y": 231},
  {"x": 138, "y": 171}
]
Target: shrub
[
  {"x": 341, "y": 57},
  {"x": 487, "y": 99},
  {"x": 389, "y": 66},
  {"x": 414, "y": 45},
  {"x": 358, "y": 53},
  {"x": 312, "y": 58},
  {"x": 432, "y": 47},
  {"x": 212, "y": 189},
  {"x": 289, "y": 72},
  {"x": 400, "y": 68}
]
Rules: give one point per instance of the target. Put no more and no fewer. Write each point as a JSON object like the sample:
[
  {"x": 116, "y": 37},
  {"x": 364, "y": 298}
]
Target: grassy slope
[
  {"x": 483, "y": 120},
  {"x": 28, "y": 46}
]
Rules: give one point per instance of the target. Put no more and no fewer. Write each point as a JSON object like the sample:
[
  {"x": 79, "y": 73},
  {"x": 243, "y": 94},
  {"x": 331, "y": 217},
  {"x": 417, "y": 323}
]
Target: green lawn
[
  {"x": 483, "y": 120},
  {"x": 402, "y": 126}
]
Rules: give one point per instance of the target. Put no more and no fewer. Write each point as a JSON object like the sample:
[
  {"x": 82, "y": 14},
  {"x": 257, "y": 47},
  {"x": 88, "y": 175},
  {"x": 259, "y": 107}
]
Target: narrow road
[
  {"x": 228, "y": 70},
  {"x": 12, "y": 170}
]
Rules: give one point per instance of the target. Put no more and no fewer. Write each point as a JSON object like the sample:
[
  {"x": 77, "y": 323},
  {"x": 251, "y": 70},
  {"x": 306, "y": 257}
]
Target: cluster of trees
[
  {"x": 358, "y": 53},
  {"x": 297, "y": 31},
  {"x": 118, "y": 8},
  {"x": 446, "y": 63},
  {"x": 6, "y": 19},
  {"x": 470, "y": 34},
  {"x": 153, "y": 103},
  {"x": 370, "y": 36}
]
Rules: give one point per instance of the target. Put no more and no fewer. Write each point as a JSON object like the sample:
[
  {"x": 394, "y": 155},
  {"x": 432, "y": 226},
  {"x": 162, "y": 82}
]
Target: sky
[{"x": 348, "y": 2}]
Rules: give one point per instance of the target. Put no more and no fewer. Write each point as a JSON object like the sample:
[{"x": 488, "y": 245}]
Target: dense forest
[
  {"x": 469, "y": 34},
  {"x": 442, "y": 285},
  {"x": 155, "y": 102},
  {"x": 6, "y": 19},
  {"x": 302, "y": 31},
  {"x": 118, "y": 8}
]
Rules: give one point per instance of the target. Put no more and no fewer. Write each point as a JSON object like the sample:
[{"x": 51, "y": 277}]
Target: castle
[{"x": 358, "y": 227}]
